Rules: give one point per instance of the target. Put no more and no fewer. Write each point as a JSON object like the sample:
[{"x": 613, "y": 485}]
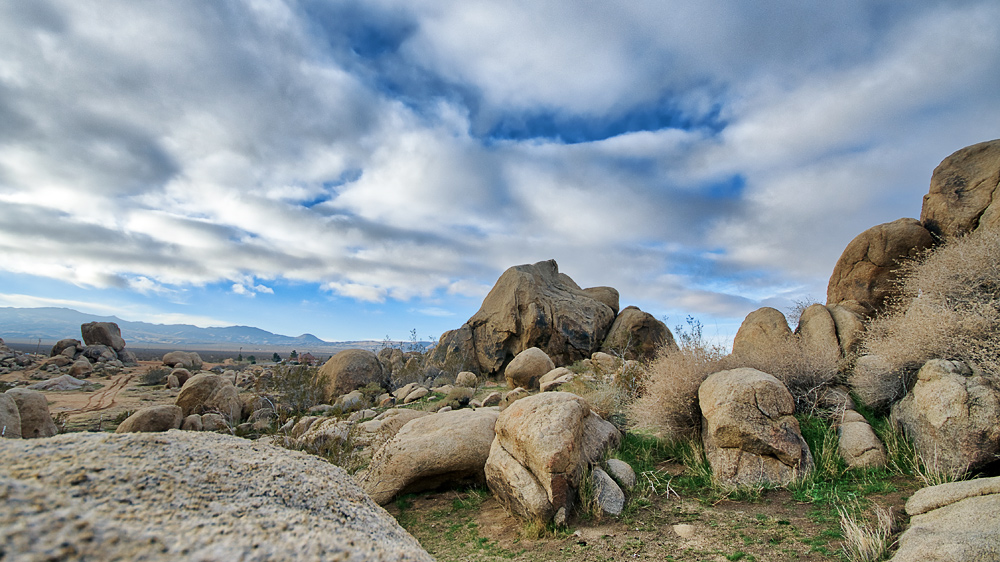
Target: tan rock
[
  {"x": 935, "y": 497},
  {"x": 416, "y": 394},
  {"x": 529, "y": 366},
  {"x": 352, "y": 369},
  {"x": 818, "y": 332},
  {"x": 64, "y": 344},
  {"x": 33, "y": 409},
  {"x": 188, "y": 360},
  {"x": 849, "y": 325},
  {"x": 963, "y": 190},
  {"x": 210, "y": 393},
  {"x": 637, "y": 335},
  {"x": 965, "y": 530},
  {"x": 172, "y": 382},
  {"x": 10, "y": 419},
  {"x": 749, "y": 432},
  {"x": 858, "y": 444},
  {"x": 466, "y": 378},
  {"x": 81, "y": 368},
  {"x": 492, "y": 399},
  {"x": 867, "y": 270},
  {"x": 152, "y": 419},
  {"x": 513, "y": 396},
  {"x": 182, "y": 375},
  {"x": 607, "y": 295},
  {"x": 430, "y": 451},
  {"x": 212, "y": 421},
  {"x": 192, "y": 423},
  {"x": 761, "y": 329}
]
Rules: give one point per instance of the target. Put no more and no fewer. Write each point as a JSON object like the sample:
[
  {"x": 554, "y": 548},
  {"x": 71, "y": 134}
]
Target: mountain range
[{"x": 51, "y": 324}]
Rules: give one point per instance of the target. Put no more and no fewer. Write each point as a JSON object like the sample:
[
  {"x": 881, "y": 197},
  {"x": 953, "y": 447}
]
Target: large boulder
[
  {"x": 963, "y": 190},
  {"x": 849, "y": 325},
  {"x": 430, "y": 451},
  {"x": 99, "y": 353},
  {"x": 637, "y": 335},
  {"x": 351, "y": 369},
  {"x": 530, "y": 306},
  {"x": 761, "y": 329},
  {"x": 62, "y": 345},
  {"x": 749, "y": 432},
  {"x": 818, "y": 332},
  {"x": 606, "y": 295},
  {"x": 858, "y": 444},
  {"x": 527, "y": 368},
  {"x": 103, "y": 333},
  {"x": 153, "y": 418},
  {"x": 210, "y": 393},
  {"x": 186, "y": 496},
  {"x": 865, "y": 275},
  {"x": 185, "y": 359},
  {"x": 543, "y": 447},
  {"x": 33, "y": 409},
  {"x": 952, "y": 416},
  {"x": 10, "y": 419},
  {"x": 953, "y": 522}
]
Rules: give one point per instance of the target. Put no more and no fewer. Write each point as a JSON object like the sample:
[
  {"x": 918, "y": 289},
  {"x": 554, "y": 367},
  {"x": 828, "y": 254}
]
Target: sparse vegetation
[
  {"x": 154, "y": 376},
  {"x": 296, "y": 387},
  {"x": 866, "y": 539}
]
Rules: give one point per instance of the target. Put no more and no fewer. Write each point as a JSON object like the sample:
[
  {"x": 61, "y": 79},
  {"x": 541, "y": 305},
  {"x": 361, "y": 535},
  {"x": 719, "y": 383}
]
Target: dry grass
[
  {"x": 806, "y": 372},
  {"x": 866, "y": 540},
  {"x": 949, "y": 308}
]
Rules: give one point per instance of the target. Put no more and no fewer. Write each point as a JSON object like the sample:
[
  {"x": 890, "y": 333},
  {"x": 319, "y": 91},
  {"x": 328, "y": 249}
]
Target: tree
[{"x": 276, "y": 358}]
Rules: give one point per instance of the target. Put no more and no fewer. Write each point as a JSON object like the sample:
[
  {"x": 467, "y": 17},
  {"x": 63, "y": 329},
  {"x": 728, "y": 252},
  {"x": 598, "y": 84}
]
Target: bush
[
  {"x": 948, "y": 308},
  {"x": 154, "y": 376},
  {"x": 298, "y": 387}
]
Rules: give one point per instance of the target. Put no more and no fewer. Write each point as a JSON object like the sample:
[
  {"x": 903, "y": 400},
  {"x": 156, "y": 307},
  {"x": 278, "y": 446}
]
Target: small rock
[
  {"x": 622, "y": 472},
  {"x": 192, "y": 423},
  {"x": 608, "y": 495},
  {"x": 492, "y": 399},
  {"x": 416, "y": 394}
]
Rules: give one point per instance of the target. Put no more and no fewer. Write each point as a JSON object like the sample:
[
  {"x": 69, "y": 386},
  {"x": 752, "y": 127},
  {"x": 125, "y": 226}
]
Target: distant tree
[
  {"x": 252, "y": 360},
  {"x": 239, "y": 359},
  {"x": 293, "y": 355},
  {"x": 276, "y": 358}
]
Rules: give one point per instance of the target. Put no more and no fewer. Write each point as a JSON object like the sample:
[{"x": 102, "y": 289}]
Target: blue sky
[{"x": 360, "y": 169}]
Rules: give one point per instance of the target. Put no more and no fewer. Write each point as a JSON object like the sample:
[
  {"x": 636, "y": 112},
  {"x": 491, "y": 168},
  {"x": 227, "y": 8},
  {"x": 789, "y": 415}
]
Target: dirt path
[{"x": 105, "y": 398}]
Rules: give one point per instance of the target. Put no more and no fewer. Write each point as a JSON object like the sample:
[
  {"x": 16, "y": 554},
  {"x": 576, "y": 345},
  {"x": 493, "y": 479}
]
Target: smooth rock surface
[
  {"x": 527, "y": 368},
  {"x": 33, "y": 408},
  {"x": 152, "y": 419}
]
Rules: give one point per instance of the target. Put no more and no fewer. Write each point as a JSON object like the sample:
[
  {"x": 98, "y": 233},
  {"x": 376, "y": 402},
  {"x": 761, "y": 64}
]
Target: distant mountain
[{"x": 50, "y": 324}]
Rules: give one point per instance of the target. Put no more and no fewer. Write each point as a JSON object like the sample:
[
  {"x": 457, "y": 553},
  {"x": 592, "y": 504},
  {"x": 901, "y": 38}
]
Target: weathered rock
[
  {"x": 10, "y": 419},
  {"x": 607, "y": 295},
  {"x": 203, "y": 497},
  {"x": 818, "y": 332},
  {"x": 858, "y": 444},
  {"x": 401, "y": 393},
  {"x": 849, "y": 326},
  {"x": 529, "y": 366},
  {"x": 80, "y": 368},
  {"x": 352, "y": 369},
  {"x": 513, "y": 396},
  {"x": 212, "y": 421},
  {"x": 64, "y": 344},
  {"x": 553, "y": 437},
  {"x": 103, "y": 333},
  {"x": 622, "y": 472},
  {"x": 58, "y": 361},
  {"x": 749, "y": 432},
  {"x": 99, "y": 353},
  {"x": 416, "y": 394},
  {"x": 172, "y": 382},
  {"x": 607, "y": 494},
  {"x": 867, "y": 270},
  {"x": 210, "y": 393},
  {"x": 128, "y": 358},
  {"x": 551, "y": 384},
  {"x": 457, "y": 397},
  {"x": 761, "y": 329},
  {"x": 185, "y": 359},
  {"x": 637, "y": 335},
  {"x": 62, "y": 382},
  {"x": 152, "y": 419},
  {"x": 952, "y": 417},
  {"x": 33, "y": 408},
  {"x": 429, "y": 451},
  {"x": 954, "y": 522},
  {"x": 963, "y": 190},
  {"x": 192, "y": 423},
  {"x": 352, "y": 401},
  {"x": 530, "y": 306},
  {"x": 391, "y": 359},
  {"x": 466, "y": 378},
  {"x": 182, "y": 375},
  {"x": 492, "y": 399},
  {"x": 393, "y": 420}
]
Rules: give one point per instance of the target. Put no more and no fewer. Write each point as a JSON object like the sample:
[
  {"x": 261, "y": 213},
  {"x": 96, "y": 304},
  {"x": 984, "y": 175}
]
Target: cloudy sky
[{"x": 357, "y": 169}]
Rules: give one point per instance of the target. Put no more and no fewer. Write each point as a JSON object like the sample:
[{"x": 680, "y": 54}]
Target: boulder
[
  {"x": 952, "y": 417},
  {"x": 352, "y": 369},
  {"x": 10, "y": 419},
  {"x": 62, "y": 345},
  {"x": 416, "y": 394},
  {"x": 181, "y": 374},
  {"x": 963, "y": 190},
  {"x": 761, "y": 329},
  {"x": 152, "y": 419},
  {"x": 392, "y": 360},
  {"x": 513, "y": 396},
  {"x": 80, "y": 368},
  {"x": 210, "y": 393},
  {"x": 527, "y": 367},
  {"x": 849, "y": 325},
  {"x": 62, "y": 382},
  {"x": 99, "y": 353},
  {"x": 492, "y": 399},
  {"x": 213, "y": 422},
  {"x": 818, "y": 332},
  {"x": 607, "y": 495},
  {"x": 186, "y": 496},
  {"x": 530, "y": 306},
  {"x": 103, "y": 333},
  {"x": 430, "y": 451},
  {"x": 607, "y": 295},
  {"x": 953, "y": 522},
  {"x": 128, "y": 358},
  {"x": 866, "y": 272},
  {"x": 622, "y": 472},
  {"x": 543, "y": 447},
  {"x": 858, "y": 444},
  {"x": 749, "y": 432},
  {"x": 637, "y": 335},
  {"x": 192, "y": 423},
  {"x": 172, "y": 381},
  {"x": 33, "y": 409},
  {"x": 466, "y": 378},
  {"x": 401, "y": 393},
  {"x": 188, "y": 360}
]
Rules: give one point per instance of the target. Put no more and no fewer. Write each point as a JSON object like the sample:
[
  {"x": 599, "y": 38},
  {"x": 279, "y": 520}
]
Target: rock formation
[
  {"x": 527, "y": 368},
  {"x": 964, "y": 188},
  {"x": 761, "y": 329},
  {"x": 637, "y": 335},
  {"x": 352, "y": 369}
]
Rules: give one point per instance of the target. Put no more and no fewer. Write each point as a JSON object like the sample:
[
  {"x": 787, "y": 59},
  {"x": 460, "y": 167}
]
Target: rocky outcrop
[
  {"x": 152, "y": 419},
  {"x": 351, "y": 369},
  {"x": 208, "y": 392},
  {"x": 963, "y": 192},
  {"x": 761, "y": 329},
  {"x": 62, "y": 382},
  {"x": 185, "y": 359},
  {"x": 530, "y": 306},
  {"x": 952, "y": 417},
  {"x": 67, "y": 346},
  {"x": 954, "y": 522},
  {"x": 607, "y": 295},
  {"x": 103, "y": 333},
  {"x": 527, "y": 368},
  {"x": 864, "y": 276},
  {"x": 430, "y": 451},
  {"x": 858, "y": 444},
  {"x": 33, "y": 409},
  {"x": 818, "y": 332},
  {"x": 203, "y": 496},
  {"x": 543, "y": 447},
  {"x": 749, "y": 432},
  {"x": 637, "y": 335}
]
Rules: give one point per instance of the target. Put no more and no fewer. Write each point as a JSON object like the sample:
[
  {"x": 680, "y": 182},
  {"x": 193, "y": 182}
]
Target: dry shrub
[
  {"x": 948, "y": 308},
  {"x": 807, "y": 372},
  {"x": 866, "y": 540}
]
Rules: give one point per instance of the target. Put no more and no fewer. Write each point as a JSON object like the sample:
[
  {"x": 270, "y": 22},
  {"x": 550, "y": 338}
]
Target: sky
[{"x": 361, "y": 169}]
